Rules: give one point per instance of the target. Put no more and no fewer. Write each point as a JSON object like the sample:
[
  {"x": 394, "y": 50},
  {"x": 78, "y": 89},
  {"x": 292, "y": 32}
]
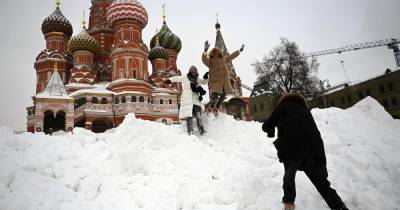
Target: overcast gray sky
[{"x": 313, "y": 24}]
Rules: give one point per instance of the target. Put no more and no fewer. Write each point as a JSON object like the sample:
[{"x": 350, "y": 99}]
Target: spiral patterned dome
[
  {"x": 83, "y": 41},
  {"x": 158, "y": 52},
  {"x": 127, "y": 9},
  {"x": 167, "y": 39},
  {"x": 57, "y": 22}
]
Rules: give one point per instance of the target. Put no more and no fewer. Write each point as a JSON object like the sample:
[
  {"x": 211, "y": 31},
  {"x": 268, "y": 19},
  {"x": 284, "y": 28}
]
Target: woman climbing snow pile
[{"x": 192, "y": 94}]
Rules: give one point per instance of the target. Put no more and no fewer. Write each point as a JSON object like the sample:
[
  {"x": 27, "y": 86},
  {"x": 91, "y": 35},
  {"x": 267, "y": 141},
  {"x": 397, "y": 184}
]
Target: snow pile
[{"x": 147, "y": 165}]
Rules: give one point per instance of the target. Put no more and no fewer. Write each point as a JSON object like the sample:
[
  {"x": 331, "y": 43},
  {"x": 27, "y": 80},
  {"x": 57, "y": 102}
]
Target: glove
[
  {"x": 242, "y": 48},
  {"x": 205, "y": 75},
  {"x": 271, "y": 135},
  {"x": 201, "y": 90},
  {"x": 167, "y": 81},
  {"x": 206, "y": 46},
  {"x": 200, "y": 97}
]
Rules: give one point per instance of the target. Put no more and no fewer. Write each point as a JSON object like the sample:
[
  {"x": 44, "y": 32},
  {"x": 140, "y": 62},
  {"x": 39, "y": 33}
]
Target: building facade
[
  {"x": 384, "y": 88},
  {"x": 95, "y": 78}
]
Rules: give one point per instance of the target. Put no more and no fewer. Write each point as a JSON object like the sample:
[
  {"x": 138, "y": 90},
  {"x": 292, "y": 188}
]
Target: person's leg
[
  {"x": 316, "y": 171},
  {"x": 221, "y": 99},
  {"x": 213, "y": 99},
  {"x": 289, "y": 184},
  {"x": 197, "y": 115},
  {"x": 189, "y": 125}
]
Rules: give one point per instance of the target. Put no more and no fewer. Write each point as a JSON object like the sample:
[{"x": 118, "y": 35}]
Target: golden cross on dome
[
  {"x": 58, "y": 2},
  {"x": 83, "y": 20},
  {"x": 217, "y": 17},
  {"x": 163, "y": 11}
]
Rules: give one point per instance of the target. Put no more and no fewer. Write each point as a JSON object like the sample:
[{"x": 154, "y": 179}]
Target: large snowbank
[{"x": 147, "y": 165}]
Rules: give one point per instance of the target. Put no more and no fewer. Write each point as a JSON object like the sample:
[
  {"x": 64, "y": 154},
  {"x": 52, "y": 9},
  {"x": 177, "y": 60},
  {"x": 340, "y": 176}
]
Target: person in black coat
[{"x": 300, "y": 147}]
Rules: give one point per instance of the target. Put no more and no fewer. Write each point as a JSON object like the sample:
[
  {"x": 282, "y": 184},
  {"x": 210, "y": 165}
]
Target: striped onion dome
[
  {"x": 167, "y": 39},
  {"x": 83, "y": 41},
  {"x": 127, "y": 9},
  {"x": 57, "y": 22}
]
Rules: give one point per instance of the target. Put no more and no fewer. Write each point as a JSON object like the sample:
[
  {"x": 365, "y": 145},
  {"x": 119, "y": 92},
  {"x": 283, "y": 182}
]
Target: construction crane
[{"x": 392, "y": 44}]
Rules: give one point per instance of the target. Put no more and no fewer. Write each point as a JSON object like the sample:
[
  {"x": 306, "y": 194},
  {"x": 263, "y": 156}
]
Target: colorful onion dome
[
  {"x": 167, "y": 39},
  {"x": 158, "y": 52},
  {"x": 57, "y": 22},
  {"x": 127, "y": 9},
  {"x": 83, "y": 41}
]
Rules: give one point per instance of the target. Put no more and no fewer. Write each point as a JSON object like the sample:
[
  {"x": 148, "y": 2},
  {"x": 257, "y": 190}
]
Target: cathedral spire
[
  {"x": 219, "y": 41},
  {"x": 164, "y": 16},
  {"x": 83, "y": 20}
]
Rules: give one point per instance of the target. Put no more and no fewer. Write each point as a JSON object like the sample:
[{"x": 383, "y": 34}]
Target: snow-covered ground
[{"x": 146, "y": 165}]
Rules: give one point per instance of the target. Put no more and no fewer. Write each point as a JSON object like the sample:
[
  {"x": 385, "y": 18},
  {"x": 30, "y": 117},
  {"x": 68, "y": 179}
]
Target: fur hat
[
  {"x": 215, "y": 53},
  {"x": 294, "y": 97},
  {"x": 193, "y": 69}
]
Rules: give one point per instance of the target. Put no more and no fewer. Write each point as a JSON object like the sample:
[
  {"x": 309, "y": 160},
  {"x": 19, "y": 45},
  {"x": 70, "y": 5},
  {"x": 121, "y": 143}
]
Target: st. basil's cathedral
[{"x": 95, "y": 78}]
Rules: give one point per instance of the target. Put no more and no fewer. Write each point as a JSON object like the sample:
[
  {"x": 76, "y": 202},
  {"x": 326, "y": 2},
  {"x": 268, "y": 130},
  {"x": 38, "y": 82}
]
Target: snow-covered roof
[
  {"x": 55, "y": 88},
  {"x": 91, "y": 89}
]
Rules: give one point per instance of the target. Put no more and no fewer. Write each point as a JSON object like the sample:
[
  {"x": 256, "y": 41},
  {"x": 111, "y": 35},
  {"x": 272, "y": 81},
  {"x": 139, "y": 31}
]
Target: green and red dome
[{"x": 167, "y": 39}]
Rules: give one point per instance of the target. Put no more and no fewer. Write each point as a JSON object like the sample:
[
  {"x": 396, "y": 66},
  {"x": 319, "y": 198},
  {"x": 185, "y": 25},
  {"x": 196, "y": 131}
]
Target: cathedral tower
[
  {"x": 83, "y": 48},
  {"x": 57, "y": 30},
  {"x": 159, "y": 60},
  {"x": 129, "y": 54},
  {"x": 102, "y": 31}
]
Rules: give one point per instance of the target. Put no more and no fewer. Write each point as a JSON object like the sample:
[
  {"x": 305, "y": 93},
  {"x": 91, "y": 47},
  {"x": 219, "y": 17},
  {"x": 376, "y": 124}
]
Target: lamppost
[{"x": 321, "y": 84}]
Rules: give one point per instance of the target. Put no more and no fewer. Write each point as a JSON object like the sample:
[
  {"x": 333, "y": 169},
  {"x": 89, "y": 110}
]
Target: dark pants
[
  {"x": 216, "y": 99},
  {"x": 196, "y": 113},
  {"x": 316, "y": 171}
]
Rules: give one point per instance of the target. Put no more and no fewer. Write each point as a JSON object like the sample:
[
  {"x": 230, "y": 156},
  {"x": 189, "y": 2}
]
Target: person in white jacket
[{"x": 191, "y": 98}]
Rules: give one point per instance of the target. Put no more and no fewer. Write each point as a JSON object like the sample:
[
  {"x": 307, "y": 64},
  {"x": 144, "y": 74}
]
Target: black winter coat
[{"x": 298, "y": 135}]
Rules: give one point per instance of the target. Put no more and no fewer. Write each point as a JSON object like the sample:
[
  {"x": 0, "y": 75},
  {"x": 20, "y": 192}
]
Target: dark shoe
[
  {"x": 203, "y": 132},
  {"x": 190, "y": 133},
  {"x": 288, "y": 206}
]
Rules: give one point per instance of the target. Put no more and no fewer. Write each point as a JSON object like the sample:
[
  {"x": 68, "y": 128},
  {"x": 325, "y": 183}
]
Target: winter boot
[
  {"x": 190, "y": 132},
  {"x": 288, "y": 206},
  {"x": 203, "y": 132}
]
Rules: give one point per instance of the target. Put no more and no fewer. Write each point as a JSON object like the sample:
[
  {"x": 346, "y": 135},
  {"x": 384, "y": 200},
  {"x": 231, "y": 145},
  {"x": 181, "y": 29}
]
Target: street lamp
[{"x": 321, "y": 84}]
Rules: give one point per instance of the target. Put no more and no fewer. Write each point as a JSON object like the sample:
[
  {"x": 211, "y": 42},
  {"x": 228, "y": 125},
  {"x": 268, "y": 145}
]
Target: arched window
[
  {"x": 103, "y": 100},
  {"x": 117, "y": 100},
  {"x": 170, "y": 101},
  {"x": 148, "y": 100},
  {"x": 161, "y": 101},
  {"x": 133, "y": 99},
  {"x": 95, "y": 100},
  {"x": 141, "y": 99},
  {"x": 123, "y": 100}
]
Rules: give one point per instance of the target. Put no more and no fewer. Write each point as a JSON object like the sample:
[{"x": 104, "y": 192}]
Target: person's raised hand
[
  {"x": 242, "y": 48},
  {"x": 206, "y": 46}
]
